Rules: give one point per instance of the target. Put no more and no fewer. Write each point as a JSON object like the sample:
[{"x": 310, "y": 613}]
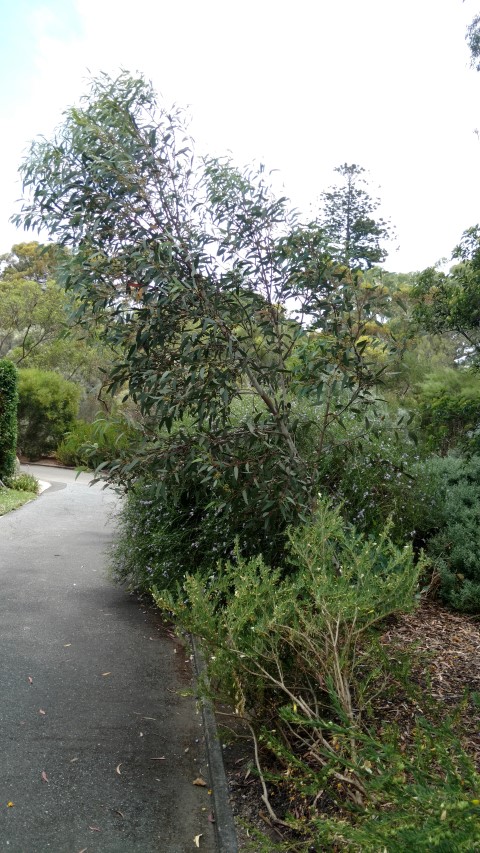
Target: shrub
[
  {"x": 293, "y": 632},
  {"x": 455, "y": 547},
  {"x": 379, "y": 475},
  {"x": 87, "y": 445},
  {"x": 422, "y": 797},
  {"x": 448, "y": 402},
  {"x": 8, "y": 418},
  {"x": 23, "y": 483},
  {"x": 47, "y": 408},
  {"x": 294, "y": 650},
  {"x": 188, "y": 525},
  {"x": 189, "y": 521}
]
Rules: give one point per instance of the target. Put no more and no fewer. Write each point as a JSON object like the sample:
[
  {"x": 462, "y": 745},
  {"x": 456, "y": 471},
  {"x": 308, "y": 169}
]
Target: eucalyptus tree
[{"x": 216, "y": 297}]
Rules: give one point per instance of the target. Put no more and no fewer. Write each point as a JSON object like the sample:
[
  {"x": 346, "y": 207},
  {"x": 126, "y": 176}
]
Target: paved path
[{"x": 92, "y": 690}]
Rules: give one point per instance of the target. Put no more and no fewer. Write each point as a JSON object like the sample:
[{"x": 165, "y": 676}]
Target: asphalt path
[{"x": 101, "y": 739}]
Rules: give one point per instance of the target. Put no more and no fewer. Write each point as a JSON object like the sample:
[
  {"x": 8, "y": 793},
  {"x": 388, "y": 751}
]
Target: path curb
[{"x": 224, "y": 822}]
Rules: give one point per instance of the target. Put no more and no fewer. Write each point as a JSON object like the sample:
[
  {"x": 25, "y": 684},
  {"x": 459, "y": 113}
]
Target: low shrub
[
  {"x": 23, "y": 483},
  {"x": 422, "y": 797},
  {"x": 87, "y": 445},
  {"x": 47, "y": 408},
  {"x": 293, "y": 631}
]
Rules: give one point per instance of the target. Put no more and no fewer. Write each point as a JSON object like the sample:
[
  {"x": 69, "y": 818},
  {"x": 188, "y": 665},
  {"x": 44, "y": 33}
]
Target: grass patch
[{"x": 12, "y": 499}]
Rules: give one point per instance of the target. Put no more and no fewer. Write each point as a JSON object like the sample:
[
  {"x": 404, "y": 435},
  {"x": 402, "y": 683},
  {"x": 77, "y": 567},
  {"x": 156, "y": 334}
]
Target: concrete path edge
[{"x": 224, "y": 822}]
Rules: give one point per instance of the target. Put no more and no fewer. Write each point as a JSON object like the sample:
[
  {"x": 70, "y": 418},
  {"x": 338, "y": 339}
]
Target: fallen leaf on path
[
  {"x": 117, "y": 811},
  {"x": 150, "y": 718},
  {"x": 160, "y": 758},
  {"x": 66, "y": 646},
  {"x": 10, "y": 805},
  {"x": 118, "y": 768},
  {"x": 74, "y": 759},
  {"x": 42, "y": 712},
  {"x": 200, "y": 782},
  {"x": 95, "y": 828},
  {"x": 30, "y": 679},
  {"x": 44, "y": 776},
  {"x": 106, "y": 673},
  {"x": 196, "y": 840}
]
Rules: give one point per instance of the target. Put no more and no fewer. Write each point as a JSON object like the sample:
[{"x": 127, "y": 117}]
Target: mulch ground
[
  {"x": 446, "y": 667},
  {"x": 445, "y": 649}
]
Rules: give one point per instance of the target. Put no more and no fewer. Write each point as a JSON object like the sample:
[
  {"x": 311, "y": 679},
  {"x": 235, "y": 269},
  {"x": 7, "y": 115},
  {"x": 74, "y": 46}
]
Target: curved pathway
[{"x": 100, "y": 737}]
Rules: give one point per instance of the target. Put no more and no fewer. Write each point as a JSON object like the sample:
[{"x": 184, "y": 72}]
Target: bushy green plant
[
  {"x": 87, "y": 445},
  {"x": 192, "y": 519},
  {"x": 8, "y": 418},
  {"x": 292, "y": 633},
  {"x": 23, "y": 483},
  {"x": 47, "y": 407},
  {"x": 448, "y": 403},
  {"x": 455, "y": 547},
  {"x": 423, "y": 798},
  {"x": 375, "y": 471}
]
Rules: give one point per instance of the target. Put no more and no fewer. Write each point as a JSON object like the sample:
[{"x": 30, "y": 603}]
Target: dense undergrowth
[{"x": 293, "y": 644}]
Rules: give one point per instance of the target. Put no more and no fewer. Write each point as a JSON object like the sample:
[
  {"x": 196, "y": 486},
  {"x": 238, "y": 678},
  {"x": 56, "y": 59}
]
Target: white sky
[{"x": 302, "y": 87}]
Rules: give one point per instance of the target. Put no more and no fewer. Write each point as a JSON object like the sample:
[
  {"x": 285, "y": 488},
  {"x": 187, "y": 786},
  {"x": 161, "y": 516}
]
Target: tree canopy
[
  {"x": 210, "y": 289},
  {"x": 450, "y": 302}
]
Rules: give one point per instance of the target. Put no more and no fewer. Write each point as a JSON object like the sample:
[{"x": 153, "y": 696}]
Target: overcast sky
[{"x": 302, "y": 87}]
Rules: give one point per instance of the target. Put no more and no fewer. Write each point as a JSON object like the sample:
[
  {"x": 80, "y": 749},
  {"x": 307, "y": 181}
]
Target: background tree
[
  {"x": 449, "y": 303},
  {"x": 348, "y": 219},
  {"x": 36, "y": 321},
  {"x": 473, "y": 41}
]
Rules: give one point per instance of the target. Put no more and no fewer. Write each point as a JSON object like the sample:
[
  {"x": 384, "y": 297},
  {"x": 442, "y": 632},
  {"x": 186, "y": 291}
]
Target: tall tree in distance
[
  {"x": 347, "y": 216},
  {"x": 473, "y": 41}
]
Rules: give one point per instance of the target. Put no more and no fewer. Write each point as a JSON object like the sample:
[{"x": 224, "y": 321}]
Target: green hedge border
[{"x": 8, "y": 418}]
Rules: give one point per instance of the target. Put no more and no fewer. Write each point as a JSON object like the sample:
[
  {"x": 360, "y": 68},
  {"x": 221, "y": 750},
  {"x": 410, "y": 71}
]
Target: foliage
[
  {"x": 31, "y": 262},
  {"x": 347, "y": 217},
  {"x": 210, "y": 291},
  {"x": 23, "y": 483},
  {"x": 473, "y": 41},
  {"x": 88, "y": 445},
  {"x": 36, "y": 327},
  {"x": 448, "y": 406},
  {"x": 450, "y": 302},
  {"x": 8, "y": 418},
  {"x": 380, "y": 475},
  {"x": 424, "y": 798},
  {"x": 293, "y": 633},
  {"x": 290, "y": 647},
  {"x": 455, "y": 548},
  {"x": 31, "y": 317},
  {"x": 188, "y": 524},
  {"x": 47, "y": 408}
]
